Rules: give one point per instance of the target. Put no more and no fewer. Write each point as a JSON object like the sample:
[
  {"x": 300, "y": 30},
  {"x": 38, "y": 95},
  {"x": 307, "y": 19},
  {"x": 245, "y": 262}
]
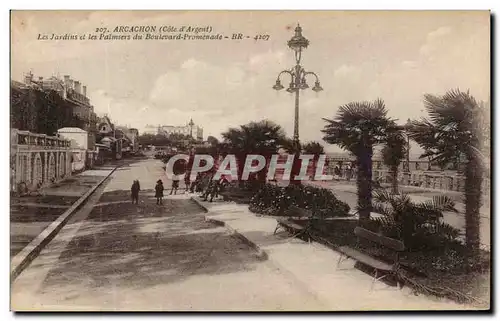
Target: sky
[{"x": 358, "y": 55}]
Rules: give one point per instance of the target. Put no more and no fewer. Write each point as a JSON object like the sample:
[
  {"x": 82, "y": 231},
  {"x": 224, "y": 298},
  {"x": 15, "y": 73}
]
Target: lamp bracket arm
[
  {"x": 311, "y": 73},
  {"x": 285, "y": 72}
]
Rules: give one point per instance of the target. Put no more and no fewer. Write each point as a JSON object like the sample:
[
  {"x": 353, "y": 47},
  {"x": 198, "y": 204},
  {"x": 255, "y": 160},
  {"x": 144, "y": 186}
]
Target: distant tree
[
  {"x": 179, "y": 137},
  {"x": 212, "y": 141},
  {"x": 393, "y": 152},
  {"x": 155, "y": 140},
  {"x": 315, "y": 149}
]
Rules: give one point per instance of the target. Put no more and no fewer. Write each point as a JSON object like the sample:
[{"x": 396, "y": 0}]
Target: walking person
[
  {"x": 187, "y": 181},
  {"x": 175, "y": 184},
  {"x": 159, "y": 192},
  {"x": 136, "y": 187},
  {"x": 348, "y": 172},
  {"x": 336, "y": 172}
]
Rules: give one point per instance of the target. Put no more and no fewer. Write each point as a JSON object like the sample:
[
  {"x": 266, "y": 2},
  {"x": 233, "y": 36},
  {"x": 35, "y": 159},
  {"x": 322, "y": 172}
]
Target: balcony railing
[{"x": 26, "y": 138}]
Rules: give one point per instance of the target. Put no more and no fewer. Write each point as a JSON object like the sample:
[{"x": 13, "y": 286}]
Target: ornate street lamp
[
  {"x": 298, "y": 78},
  {"x": 298, "y": 82}
]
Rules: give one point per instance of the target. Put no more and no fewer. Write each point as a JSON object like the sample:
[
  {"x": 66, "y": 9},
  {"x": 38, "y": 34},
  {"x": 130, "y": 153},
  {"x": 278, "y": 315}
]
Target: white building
[
  {"x": 150, "y": 130},
  {"x": 79, "y": 142},
  {"x": 190, "y": 129}
]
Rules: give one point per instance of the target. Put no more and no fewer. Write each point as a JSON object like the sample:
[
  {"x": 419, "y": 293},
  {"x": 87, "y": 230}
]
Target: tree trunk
[
  {"x": 473, "y": 183},
  {"x": 262, "y": 174},
  {"x": 364, "y": 185},
  {"x": 394, "y": 172},
  {"x": 240, "y": 163},
  {"x": 295, "y": 170},
  {"x": 315, "y": 166}
]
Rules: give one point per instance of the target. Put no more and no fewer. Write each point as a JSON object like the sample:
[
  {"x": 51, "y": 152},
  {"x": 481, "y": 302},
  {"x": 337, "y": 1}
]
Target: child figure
[
  {"x": 159, "y": 192},
  {"x": 175, "y": 184},
  {"x": 136, "y": 187}
]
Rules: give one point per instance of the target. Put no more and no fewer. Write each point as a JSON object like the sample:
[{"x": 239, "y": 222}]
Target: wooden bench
[
  {"x": 395, "y": 246},
  {"x": 295, "y": 229}
]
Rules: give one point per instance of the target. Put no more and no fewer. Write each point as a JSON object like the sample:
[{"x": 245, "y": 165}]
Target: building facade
[
  {"x": 190, "y": 129},
  {"x": 109, "y": 136},
  {"x": 37, "y": 160},
  {"x": 132, "y": 135},
  {"x": 72, "y": 98},
  {"x": 150, "y": 130}
]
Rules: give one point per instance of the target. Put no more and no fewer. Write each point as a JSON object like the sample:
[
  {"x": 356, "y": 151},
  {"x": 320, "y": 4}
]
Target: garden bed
[
  {"x": 440, "y": 272},
  {"x": 275, "y": 201}
]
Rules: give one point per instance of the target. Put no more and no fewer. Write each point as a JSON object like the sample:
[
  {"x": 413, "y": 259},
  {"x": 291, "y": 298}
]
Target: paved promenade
[
  {"x": 115, "y": 256},
  {"x": 314, "y": 267}
]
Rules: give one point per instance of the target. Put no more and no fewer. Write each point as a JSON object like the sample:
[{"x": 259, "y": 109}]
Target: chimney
[
  {"x": 84, "y": 91},
  {"x": 78, "y": 87}
]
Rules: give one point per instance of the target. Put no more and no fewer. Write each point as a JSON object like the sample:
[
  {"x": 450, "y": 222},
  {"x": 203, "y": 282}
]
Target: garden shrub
[{"x": 275, "y": 200}]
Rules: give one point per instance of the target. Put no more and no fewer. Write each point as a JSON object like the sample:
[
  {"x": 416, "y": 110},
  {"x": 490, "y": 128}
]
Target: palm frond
[
  {"x": 447, "y": 230},
  {"x": 382, "y": 196},
  {"x": 383, "y": 208},
  {"x": 357, "y": 125},
  {"x": 444, "y": 203}
]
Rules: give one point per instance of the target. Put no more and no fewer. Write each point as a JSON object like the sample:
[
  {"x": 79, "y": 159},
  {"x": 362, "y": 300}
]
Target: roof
[
  {"x": 71, "y": 130},
  {"x": 103, "y": 146},
  {"x": 112, "y": 139}
]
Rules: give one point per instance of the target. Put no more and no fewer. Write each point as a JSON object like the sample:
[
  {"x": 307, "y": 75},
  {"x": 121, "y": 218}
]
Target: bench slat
[
  {"x": 295, "y": 211},
  {"x": 366, "y": 259},
  {"x": 288, "y": 223},
  {"x": 379, "y": 239}
]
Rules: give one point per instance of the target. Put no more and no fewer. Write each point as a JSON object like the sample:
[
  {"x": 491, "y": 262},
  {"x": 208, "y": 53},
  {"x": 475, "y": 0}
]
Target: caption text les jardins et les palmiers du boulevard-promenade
[{"x": 150, "y": 32}]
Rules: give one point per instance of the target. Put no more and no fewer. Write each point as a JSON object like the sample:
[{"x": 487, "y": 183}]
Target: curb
[
  {"x": 261, "y": 254},
  {"x": 31, "y": 251}
]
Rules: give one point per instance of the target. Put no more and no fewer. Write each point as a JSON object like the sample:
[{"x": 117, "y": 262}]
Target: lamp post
[
  {"x": 298, "y": 82},
  {"x": 191, "y": 124},
  {"x": 298, "y": 78}
]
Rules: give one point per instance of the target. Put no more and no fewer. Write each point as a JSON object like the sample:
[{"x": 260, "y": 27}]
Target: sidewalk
[
  {"x": 30, "y": 215},
  {"x": 313, "y": 266}
]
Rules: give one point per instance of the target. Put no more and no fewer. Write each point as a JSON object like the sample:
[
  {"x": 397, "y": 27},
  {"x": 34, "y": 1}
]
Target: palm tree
[
  {"x": 261, "y": 138},
  {"x": 453, "y": 127},
  {"x": 358, "y": 127},
  {"x": 393, "y": 152},
  {"x": 315, "y": 149}
]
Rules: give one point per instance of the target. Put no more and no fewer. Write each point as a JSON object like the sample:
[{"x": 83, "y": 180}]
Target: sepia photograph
[{"x": 250, "y": 161}]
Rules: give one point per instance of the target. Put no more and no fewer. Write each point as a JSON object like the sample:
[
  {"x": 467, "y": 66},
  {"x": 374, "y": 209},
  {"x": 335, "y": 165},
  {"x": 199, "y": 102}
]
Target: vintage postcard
[{"x": 250, "y": 160}]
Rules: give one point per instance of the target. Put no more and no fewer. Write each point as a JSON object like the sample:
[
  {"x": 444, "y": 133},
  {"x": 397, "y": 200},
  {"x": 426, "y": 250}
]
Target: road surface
[{"x": 116, "y": 256}]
